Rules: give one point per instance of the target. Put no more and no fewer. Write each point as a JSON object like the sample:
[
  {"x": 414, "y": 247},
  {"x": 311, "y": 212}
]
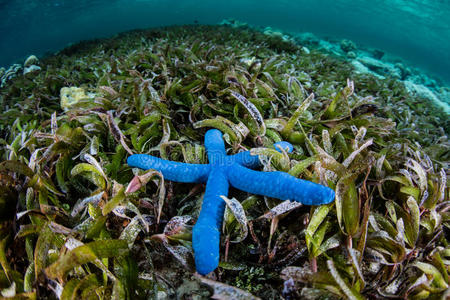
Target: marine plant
[{"x": 78, "y": 222}]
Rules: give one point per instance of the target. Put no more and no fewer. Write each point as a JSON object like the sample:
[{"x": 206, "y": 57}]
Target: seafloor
[{"x": 72, "y": 227}]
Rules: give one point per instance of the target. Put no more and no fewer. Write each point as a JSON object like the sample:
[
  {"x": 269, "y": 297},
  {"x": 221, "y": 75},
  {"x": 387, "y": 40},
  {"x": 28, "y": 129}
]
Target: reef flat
[
  {"x": 77, "y": 221},
  {"x": 365, "y": 60}
]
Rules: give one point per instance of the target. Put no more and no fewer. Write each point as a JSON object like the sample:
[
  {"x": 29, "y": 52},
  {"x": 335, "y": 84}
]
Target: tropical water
[
  {"x": 416, "y": 31},
  {"x": 77, "y": 217}
]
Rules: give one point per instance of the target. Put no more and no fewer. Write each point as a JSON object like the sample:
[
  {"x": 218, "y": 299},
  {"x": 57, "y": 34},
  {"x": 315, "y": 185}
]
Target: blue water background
[{"x": 418, "y": 31}]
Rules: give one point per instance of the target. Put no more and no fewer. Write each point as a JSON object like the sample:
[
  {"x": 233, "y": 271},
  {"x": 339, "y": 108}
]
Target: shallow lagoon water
[{"x": 417, "y": 31}]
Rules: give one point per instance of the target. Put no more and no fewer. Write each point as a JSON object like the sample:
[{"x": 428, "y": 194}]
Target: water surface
[{"x": 418, "y": 31}]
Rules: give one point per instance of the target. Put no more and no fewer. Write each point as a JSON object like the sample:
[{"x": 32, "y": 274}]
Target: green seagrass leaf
[
  {"x": 115, "y": 201},
  {"x": 91, "y": 173},
  {"x": 235, "y": 211},
  {"x": 16, "y": 166},
  {"x": 431, "y": 270},
  {"x": 225, "y": 291},
  {"x": 70, "y": 289},
  {"x": 350, "y": 292},
  {"x": 318, "y": 216},
  {"x": 86, "y": 253},
  {"x": 287, "y": 130}
]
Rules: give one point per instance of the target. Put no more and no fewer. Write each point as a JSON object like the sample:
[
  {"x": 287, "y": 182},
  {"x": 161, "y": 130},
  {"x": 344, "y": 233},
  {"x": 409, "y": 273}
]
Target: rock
[
  {"x": 416, "y": 78},
  {"x": 424, "y": 92},
  {"x": 272, "y": 32},
  {"x": 361, "y": 68},
  {"x": 9, "y": 74},
  {"x": 329, "y": 47},
  {"x": 12, "y": 71},
  {"x": 430, "y": 82},
  {"x": 420, "y": 78},
  {"x": 396, "y": 73},
  {"x": 226, "y": 22},
  {"x": 286, "y": 38},
  {"x": 31, "y": 60},
  {"x": 347, "y": 45},
  {"x": 404, "y": 71},
  {"x": 393, "y": 71},
  {"x": 377, "y": 54},
  {"x": 233, "y": 23},
  {"x": 373, "y": 64},
  {"x": 31, "y": 69},
  {"x": 277, "y": 34},
  {"x": 444, "y": 94},
  {"x": 307, "y": 38},
  {"x": 380, "y": 67},
  {"x": 351, "y": 54},
  {"x": 72, "y": 95}
]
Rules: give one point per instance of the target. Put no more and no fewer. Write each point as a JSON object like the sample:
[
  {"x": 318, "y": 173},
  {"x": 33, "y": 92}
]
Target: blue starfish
[{"x": 221, "y": 172}]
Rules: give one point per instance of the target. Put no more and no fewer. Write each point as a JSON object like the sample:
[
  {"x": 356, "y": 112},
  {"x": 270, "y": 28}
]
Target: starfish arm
[
  {"x": 284, "y": 145},
  {"x": 171, "y": 170},
  {"x": 252, "y": 161},
  {"x": 279, "y": 185},
  {"x": 246, "y": 159},
  {"x": 206, "y": 232},
  {"x": 215, "y": 146}
]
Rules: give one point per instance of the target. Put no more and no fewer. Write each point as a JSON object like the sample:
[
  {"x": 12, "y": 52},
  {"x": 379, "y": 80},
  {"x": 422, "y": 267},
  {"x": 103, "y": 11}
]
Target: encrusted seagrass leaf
[
  {"x": 254, "y": 112},
  {"x": 235, "y": 211},
  {"x": 86, "y": 253}
]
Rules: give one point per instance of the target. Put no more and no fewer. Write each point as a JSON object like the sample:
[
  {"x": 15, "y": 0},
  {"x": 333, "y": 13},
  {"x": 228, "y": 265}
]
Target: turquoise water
[{"x": 417, "y": 31}]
